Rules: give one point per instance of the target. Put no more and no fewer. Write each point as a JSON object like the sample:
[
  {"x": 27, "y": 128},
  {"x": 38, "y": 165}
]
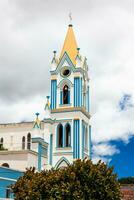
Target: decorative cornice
[{"x": 73, "y": 109}]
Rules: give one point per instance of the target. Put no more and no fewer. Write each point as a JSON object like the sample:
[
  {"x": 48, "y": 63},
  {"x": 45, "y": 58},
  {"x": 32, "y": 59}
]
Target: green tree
[
  {"x": 82, "y": 180},
  {"x": 126, "y": 180}
]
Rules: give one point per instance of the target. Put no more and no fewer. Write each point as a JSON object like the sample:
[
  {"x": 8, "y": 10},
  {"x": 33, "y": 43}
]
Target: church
[{"x": 64, "y": 134}]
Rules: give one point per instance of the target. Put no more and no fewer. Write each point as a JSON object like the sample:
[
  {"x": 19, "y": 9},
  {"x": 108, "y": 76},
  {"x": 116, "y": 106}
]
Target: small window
[
  {"x": 5, "y": 165},
  {"x": 68, "y": 135},
  {"x": 65, "y": 72},
  {"x": 60, "y": 135},
  {"x": 29, "y": 141},
  {"x": 23, "y": 142},
  {"x": 1, "y": 143},
  {"x": 66, "y": 95},
  {"x": 8, "y": 193}
]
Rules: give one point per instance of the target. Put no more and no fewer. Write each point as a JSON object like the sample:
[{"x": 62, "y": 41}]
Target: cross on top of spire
[{"x": 70, "y": 18}]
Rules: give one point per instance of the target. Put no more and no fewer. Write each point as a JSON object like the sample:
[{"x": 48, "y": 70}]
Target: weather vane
[{"x": 70, "y": 17}]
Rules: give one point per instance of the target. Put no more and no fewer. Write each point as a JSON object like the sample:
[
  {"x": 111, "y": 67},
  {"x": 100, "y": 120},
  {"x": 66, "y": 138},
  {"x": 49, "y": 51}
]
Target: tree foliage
[
  {"x": 126, "y": 180},
  {"x": 82, "y": 180}
]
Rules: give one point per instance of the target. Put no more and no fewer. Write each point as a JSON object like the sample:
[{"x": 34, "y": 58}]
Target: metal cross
[{"x": 70, "y": 17}]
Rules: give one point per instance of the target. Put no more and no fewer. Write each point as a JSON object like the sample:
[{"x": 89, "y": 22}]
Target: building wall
[
  {"x": 19, "y": 159},
  {"x": 127, "y": 192},
  {"x": 7, "y": 177},
  {"x": 13, "y": 133}
]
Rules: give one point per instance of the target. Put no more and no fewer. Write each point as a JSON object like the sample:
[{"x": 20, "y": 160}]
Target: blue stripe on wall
[
  {"x": 60, "y": 97},
  {"x": 51, "y": 147},
  {"x": 53, "y": 94},
  {"x": 90, "y": 146},
  {"x": 76, "y": 139},
  {"x": 83, "y": 139},
  {"x": 77, "y": 92},
  {"x": 78, "y": 156},
  {"x": 88, "y": 100},
  {"x": 39, "y": 156},
  {"x": 81, "y": 92}
]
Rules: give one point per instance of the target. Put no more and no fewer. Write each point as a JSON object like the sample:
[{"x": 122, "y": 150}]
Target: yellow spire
[{"x": 70, "y": 45}]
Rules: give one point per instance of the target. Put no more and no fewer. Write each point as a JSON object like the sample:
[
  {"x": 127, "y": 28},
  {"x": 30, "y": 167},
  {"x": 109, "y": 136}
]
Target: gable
[{"x": 65, "y": 61}]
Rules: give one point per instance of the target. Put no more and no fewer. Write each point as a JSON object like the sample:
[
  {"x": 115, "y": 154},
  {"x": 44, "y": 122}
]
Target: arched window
[
  {"x": 23, "y": 142},
  {"x": 66, "y": 95},
  {"x": 1, "y": 142},
  {"x": 28, "y": 141},
  {"x": 5, "y": 165},
  {"x": 60, "y": 135},
  {"x": 68, "y": 135}
]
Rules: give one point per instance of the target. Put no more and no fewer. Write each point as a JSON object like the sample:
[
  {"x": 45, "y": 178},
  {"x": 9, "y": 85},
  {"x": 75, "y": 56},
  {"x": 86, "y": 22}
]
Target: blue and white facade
[
  {"x": 67, "y": 128},
  {"x": 8, "y": 177},
  {"x": 64, "y": 134}
]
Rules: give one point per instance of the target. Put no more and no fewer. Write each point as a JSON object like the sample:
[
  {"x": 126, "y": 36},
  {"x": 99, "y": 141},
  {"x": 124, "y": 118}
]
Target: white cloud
[
  {"x": 104, "y": 149},
  {"x": 31, "y": 30}
]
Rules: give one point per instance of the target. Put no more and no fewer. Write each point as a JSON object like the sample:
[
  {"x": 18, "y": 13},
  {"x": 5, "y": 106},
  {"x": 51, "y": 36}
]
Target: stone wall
[{"x": 127, "y": 192}]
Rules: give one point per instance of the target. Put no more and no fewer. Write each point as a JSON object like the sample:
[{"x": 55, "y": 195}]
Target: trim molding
[{"x": 76, "y": 109}]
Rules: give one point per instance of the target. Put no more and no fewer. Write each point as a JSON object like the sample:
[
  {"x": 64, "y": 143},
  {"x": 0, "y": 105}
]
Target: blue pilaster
[
  {"x": 88, "y": 106},
  {"x": 77, "y": 92},
  {"x": 51, "y": 148},
  {"x": 61, "y": 97},
  {"x": 53, "y": 94},
  {"x": 83, "y": 138},
  {"x": 76, "y": 139},
  {"x": 81, "y": 92},
  {"x": 90, "y": 144},
  {"x": 39, "y": 156}
]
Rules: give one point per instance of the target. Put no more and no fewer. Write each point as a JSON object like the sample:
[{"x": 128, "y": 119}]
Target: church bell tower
[{"x": 68, "y": 126}]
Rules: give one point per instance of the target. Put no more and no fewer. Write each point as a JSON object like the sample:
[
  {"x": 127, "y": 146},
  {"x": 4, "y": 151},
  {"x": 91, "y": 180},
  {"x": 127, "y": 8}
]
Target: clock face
[{"x": 65, "y": 72}]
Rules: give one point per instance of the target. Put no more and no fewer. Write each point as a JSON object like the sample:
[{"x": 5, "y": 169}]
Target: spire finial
[
  {"x": 78, "y": 50},
  {"x": 37, "y": 114},
  {"x": 37, "y": 123},
  {"x": 47, "y": 106},
  {"x": 54, "y": 52}
]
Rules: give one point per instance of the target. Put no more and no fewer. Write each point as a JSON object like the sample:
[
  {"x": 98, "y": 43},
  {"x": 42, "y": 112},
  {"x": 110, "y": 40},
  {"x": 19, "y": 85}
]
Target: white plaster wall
[
  {"x": 12, "y": 135},
  {"x": 32, "y": 160},
  {"x": 19, "y": 159},
  {"x": 44, "y": 163},
  {"x": 58, "y": 157},
  {"x": 15, "y": 161},
  {"x": 70, "y": 115}
]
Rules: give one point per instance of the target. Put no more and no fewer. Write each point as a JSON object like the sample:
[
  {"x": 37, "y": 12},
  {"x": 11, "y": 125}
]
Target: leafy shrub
[{"x": 82, "y": 180}]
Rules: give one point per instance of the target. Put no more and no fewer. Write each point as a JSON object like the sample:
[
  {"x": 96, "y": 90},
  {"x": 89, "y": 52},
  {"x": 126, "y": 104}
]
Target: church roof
[{"x": 70, "y": 45}]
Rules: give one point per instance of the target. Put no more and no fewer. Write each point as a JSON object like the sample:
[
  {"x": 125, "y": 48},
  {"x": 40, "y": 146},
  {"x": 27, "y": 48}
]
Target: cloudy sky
[{"x": 29, "y": 32}]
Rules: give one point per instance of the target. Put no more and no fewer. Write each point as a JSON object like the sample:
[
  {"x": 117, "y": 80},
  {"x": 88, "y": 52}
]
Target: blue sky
[
  {"x": 118, "y": 151},
  {"x": 123, "y": 162},
  {"x": 31, "y": 30}
]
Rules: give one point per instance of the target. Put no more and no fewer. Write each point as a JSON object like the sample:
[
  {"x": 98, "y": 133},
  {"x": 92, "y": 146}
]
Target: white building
[{"x": 65, "y": 133}]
